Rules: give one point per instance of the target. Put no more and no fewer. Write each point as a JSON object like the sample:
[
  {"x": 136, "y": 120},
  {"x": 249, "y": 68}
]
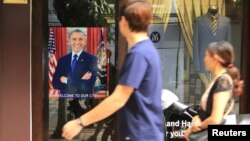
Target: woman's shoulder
[
  {"x": 224, "y": 83},
  {"x": 225, "y": 77}
]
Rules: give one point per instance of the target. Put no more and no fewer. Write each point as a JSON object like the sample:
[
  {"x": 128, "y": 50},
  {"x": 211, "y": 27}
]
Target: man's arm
[
  {"x": 93, "y": 71},
  {"x": 106, "y": 108},
  {"x": 84, "y": 79},
  {"x": 109, "y": 105},
  {"x": 57, "y": 84},
  {"x": 88, "y": 74}
]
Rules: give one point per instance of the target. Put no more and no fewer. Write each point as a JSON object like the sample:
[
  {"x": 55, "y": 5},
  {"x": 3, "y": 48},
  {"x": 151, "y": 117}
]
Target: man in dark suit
[
  {"x": 203, "y": 35},
  {"x": 75, "y": 74}
]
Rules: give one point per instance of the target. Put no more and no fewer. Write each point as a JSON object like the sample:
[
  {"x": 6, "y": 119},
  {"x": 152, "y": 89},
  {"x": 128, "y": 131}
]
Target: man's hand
[
  {"x": 71, "y": 129},
  {"x": 63, "y": 79},
  {"x": 87, "y": 75}
]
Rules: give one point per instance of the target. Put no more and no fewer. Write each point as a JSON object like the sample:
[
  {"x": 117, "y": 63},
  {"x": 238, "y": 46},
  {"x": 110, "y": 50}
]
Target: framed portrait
[{"x": 78, "y": 75}]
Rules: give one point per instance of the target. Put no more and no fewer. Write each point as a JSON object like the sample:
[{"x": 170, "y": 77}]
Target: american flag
[
  {"x": 103, "y": 49},
  {"x": 52, "y": 62}
]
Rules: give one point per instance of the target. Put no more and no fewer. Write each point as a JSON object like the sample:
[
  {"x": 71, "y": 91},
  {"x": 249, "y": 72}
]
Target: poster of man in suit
[
  {"x": 76, "y": 71},
  {"x": 74, "y": 66}
]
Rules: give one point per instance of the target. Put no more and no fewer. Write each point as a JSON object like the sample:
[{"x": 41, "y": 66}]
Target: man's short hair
[
  {"x": 75, "y": 30},
  {"x": 138, "y": 13}
]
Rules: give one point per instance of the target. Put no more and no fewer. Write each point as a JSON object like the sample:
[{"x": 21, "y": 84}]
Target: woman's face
[{"x": 209, "y": 61}]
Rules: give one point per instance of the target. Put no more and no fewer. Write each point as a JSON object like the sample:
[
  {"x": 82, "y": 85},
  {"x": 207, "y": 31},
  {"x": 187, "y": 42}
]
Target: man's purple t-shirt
[{"x": 141, "y": 119}]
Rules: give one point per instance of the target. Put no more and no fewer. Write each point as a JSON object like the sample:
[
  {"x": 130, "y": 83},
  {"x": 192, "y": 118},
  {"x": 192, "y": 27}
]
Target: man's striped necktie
[{"x": 214, "y": 24}]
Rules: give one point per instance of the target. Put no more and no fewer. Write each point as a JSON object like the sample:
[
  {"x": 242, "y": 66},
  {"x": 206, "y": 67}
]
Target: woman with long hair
[{"x": 219, "y": 96}]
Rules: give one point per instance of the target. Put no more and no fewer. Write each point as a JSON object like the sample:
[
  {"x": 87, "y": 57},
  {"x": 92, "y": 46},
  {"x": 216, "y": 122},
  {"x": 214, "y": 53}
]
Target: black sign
[{"x": 155, "y": 37}]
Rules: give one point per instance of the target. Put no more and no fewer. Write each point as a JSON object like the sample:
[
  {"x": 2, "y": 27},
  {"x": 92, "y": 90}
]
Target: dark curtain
[{"x": 245, "y": 67}]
